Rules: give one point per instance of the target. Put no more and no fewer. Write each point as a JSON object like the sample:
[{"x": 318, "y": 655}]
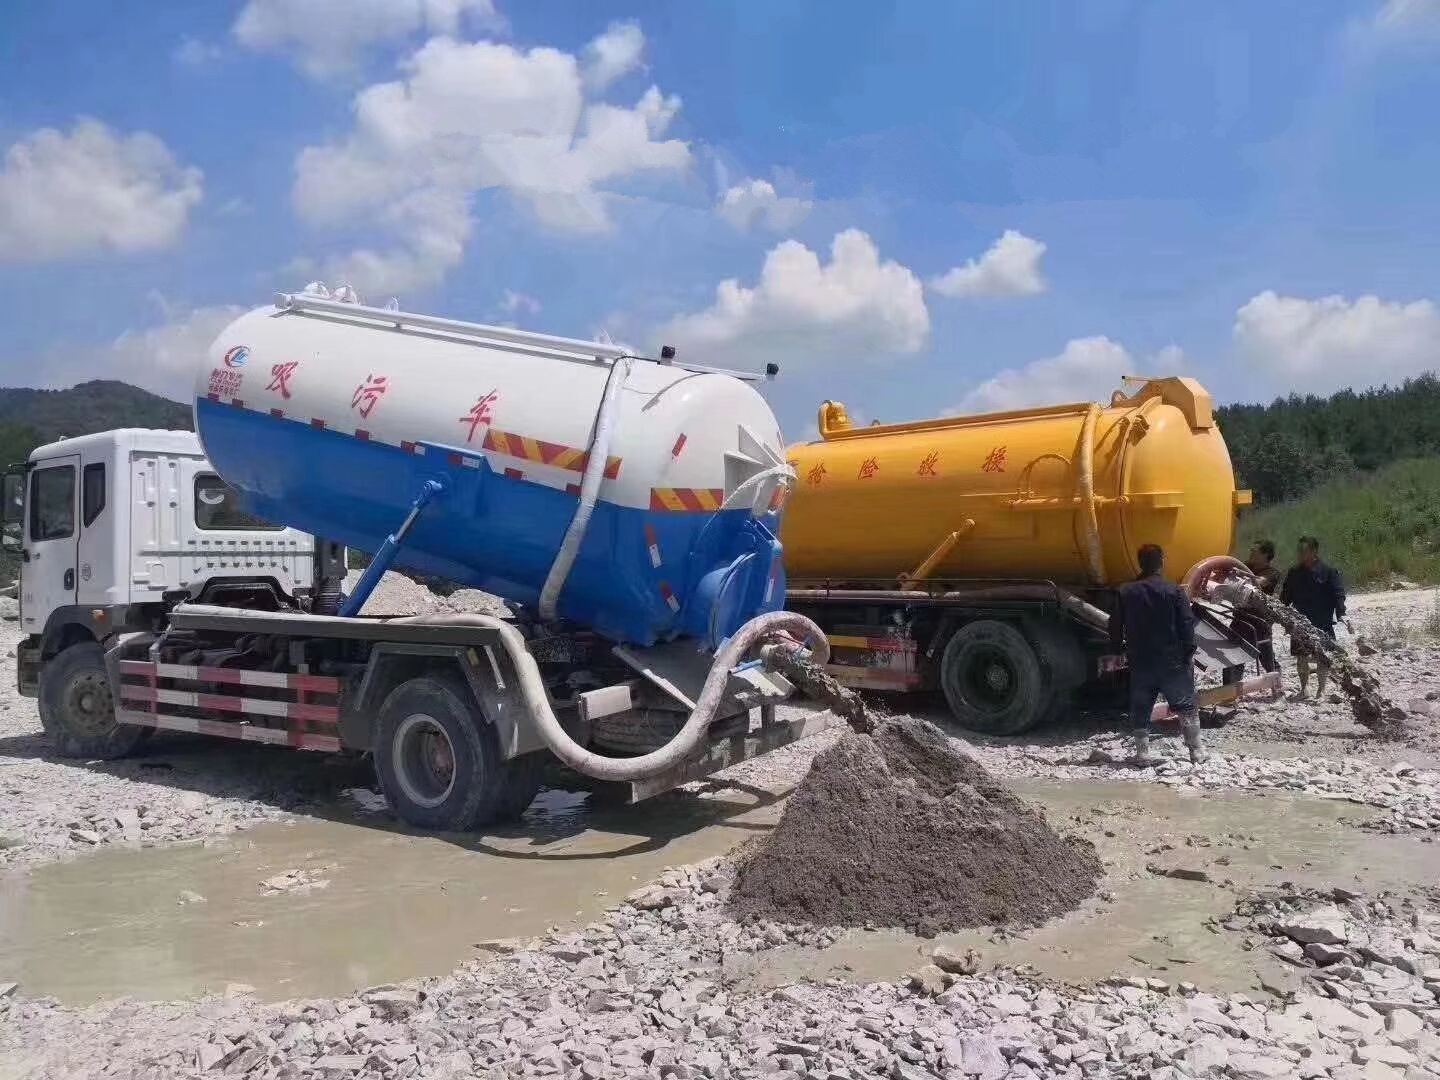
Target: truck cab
[{"x": 112, "y": 530}]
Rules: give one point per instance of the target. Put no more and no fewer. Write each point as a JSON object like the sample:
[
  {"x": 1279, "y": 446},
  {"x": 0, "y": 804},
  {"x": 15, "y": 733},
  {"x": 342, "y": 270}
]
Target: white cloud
[
  {"x": 613, "y": 54},
  {"x": 1010, "y": 268},
  {"x": 751, "y": 202},
  {"x": 855, "y": 308},
  {"x": 330, "y": 37},
  {"x": 194, "y": 53},
  {"x": 512, "y": 302},
  {"x": 432, "y": 227},
  {"x": 163, "y": 358},
  {"x": 1087, "y": 369},
  {"x": 469, "y": 117},
  {"x": 1395, "y": 14},
  {"x": 1333, "y": 342},
  {"x": 63, "y": 195}
]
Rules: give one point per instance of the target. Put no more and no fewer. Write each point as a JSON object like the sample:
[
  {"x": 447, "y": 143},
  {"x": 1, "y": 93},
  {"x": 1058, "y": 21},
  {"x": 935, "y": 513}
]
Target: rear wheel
[
  {"x": 439, "y": 763},
  {"x": 77, "y": 707},
  {"x": 994, "y": 681}
]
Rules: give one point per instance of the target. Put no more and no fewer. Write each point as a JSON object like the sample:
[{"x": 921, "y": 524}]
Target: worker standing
[
  {"x": 1155, "y": 626},
  {"x": 1252, "y": 624},
  {"x": 1315, "y": 589}
]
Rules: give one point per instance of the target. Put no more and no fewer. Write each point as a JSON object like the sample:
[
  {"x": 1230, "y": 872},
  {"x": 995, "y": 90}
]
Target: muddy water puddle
[
  {"x": 318, "y": 908},
  {"x": 1145, "y": 922}
]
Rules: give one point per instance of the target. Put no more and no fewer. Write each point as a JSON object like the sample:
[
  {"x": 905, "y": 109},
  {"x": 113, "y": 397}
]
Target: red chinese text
[
  {"x": 868, "y": 468},
  {"x": 930, "y": 466},
  {"x": 280, "y": 377},
  {"x": 995, "y": 462},
  {"x": 480, "y": 413},
  {"x": 816, "y": 474},
  {"x": 368, "y": 394}
]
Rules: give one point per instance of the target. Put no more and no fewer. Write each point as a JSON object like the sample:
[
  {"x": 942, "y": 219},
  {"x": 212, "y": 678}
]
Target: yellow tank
[{"x": 1065, "y": 493}]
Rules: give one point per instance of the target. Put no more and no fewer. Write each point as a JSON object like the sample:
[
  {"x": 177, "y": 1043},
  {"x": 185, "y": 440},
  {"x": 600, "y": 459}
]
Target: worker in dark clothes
[
  {"x": 1253, "y": 625},
  {"x": 1316, "y": 590},
  {"x": 1155, "y": 626}
]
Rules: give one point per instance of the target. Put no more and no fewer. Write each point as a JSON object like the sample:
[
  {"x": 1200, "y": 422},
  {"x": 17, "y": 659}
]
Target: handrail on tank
[
  {"x": 560, "y": 348},
  {"x": 1184, "y": 393}
]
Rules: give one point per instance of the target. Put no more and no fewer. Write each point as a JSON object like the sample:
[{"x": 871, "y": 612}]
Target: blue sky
[{"x": 919, "y": 206}]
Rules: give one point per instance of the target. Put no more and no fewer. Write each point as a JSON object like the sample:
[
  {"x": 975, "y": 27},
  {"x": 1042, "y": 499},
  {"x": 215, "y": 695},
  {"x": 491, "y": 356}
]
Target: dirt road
[{"x": 1270, "y": 913}]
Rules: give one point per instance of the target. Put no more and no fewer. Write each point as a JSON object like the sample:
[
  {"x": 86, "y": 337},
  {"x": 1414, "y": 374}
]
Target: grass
[{"x": 1374, "y": 527}]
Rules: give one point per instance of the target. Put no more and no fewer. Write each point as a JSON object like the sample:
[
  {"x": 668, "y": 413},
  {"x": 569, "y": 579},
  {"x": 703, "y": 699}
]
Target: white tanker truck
[{"x": 627, "y": 507}]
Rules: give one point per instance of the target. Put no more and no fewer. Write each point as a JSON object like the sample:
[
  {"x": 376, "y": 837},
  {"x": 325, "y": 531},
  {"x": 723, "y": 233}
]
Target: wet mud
[
  {"x": 904, "y": 829},
  {"x": 318, "y": 907},
  {"x": 1175, "y": 860},
  {"x": 314, "y": 907}
]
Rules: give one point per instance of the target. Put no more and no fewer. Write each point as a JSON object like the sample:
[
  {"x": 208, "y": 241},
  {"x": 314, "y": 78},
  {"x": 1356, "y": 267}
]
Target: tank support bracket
[{"x": 385, "y": 557}]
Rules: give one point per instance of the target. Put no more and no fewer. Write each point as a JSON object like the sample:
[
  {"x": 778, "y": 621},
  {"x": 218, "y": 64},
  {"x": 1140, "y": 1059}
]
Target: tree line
[{"x": 1288, "y": 448}]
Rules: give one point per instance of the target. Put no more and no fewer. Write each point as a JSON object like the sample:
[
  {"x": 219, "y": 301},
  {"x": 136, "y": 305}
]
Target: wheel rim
[
  {"x": 424, "y": 760},
  {"x": 89, "y": 708},
  {"x": 990, "y": 680}
]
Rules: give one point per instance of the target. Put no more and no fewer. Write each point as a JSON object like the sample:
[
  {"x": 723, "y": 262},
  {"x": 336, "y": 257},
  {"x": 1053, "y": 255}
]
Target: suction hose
[
  {"x": 1200, "y": 582},
  {"x": 595, "y": 462},
  {"x": 688, "y": 740}
]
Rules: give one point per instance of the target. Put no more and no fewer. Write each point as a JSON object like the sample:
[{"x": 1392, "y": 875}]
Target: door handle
[{"x": 70, "y": 579}]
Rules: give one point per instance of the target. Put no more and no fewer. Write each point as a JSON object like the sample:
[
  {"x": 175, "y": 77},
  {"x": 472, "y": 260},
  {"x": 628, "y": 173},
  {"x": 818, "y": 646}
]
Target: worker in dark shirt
[
  {"x": 1315, "y": 589},
  {"x": 1155, "y": 626},
  {"x": 1252, "y": 625}
]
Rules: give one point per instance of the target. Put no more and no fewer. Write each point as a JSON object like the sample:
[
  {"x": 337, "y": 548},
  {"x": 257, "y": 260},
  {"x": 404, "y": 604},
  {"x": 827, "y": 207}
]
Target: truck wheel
[
  {"x": 1063, "y": 659},
  {"x": 993, "y": 680},
  {"x": 438, "y": 759},
  {"x": 524, "y": 777},
  {"x": 77, "y": 707},
  {"x": 638, "y": 731}
]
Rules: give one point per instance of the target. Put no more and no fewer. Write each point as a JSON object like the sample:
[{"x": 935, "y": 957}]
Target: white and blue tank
[{"x": 339, "y": 420}]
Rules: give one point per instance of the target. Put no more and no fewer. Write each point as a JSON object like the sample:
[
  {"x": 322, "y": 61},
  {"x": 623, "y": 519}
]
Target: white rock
[
  {"x": 1385, "y": 1053},
  {"x": 1325, "y": 925},
  {"x": 1207, "y": 1056},
  {"x": 1403, "y": 1027},
  {"x": 1251, "y": 1066}
]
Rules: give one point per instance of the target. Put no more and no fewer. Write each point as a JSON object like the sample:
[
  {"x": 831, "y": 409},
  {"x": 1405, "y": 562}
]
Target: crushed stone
[{"x": 901, "y": 828}]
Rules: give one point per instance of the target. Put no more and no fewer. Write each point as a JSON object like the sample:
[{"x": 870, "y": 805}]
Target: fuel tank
[{"x": 1065, "y": 493}]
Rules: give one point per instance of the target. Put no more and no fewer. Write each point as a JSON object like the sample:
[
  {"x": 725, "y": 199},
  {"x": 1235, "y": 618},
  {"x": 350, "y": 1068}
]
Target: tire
[
  {"x": 994, "y": 681},
  {"x": 77, "y": 707},
  {"x": 636, "y": 731},
  {"x": 438, "y": 759},
  {"x": 524, "y": 777},
  {"x": 1063, "y": 659}
]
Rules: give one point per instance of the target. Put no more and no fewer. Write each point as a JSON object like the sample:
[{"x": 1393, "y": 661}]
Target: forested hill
[
  {"x": 1281, "y": 451},
  {"x": 31, "y": 417},
  {"x": 1292, "y": 446},
  {"x": 90, "y": 407}
]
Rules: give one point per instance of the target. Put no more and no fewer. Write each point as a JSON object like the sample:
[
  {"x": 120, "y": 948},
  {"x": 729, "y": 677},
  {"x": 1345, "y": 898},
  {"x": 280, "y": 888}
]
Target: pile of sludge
[{"x": 900, "y": 828}]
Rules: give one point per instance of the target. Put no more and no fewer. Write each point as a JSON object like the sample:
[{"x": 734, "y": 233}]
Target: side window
[
  {"x": 92, "y": 493},
  {"x": 52, "y": 503},
  {"x": 217, "y": 508}
]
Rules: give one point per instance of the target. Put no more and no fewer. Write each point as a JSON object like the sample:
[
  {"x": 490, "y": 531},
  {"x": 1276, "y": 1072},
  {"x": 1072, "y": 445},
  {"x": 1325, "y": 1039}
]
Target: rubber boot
[
  {"x": 1190, "y": 730},
  {"x": 1141, "y": 758}
]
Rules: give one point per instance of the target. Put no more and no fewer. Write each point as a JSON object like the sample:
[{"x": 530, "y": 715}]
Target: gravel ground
[
  {"x": 54, "y": 808},
  {"x": 640, "y": 992}
]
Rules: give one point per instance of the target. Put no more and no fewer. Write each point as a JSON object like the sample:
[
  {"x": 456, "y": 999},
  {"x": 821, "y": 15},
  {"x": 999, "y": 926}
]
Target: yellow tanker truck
[{"x": 979, "y": 555}]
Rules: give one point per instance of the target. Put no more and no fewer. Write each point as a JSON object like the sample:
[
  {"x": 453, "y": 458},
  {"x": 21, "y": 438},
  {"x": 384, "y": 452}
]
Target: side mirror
[{"x": 12, "y": 510}]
